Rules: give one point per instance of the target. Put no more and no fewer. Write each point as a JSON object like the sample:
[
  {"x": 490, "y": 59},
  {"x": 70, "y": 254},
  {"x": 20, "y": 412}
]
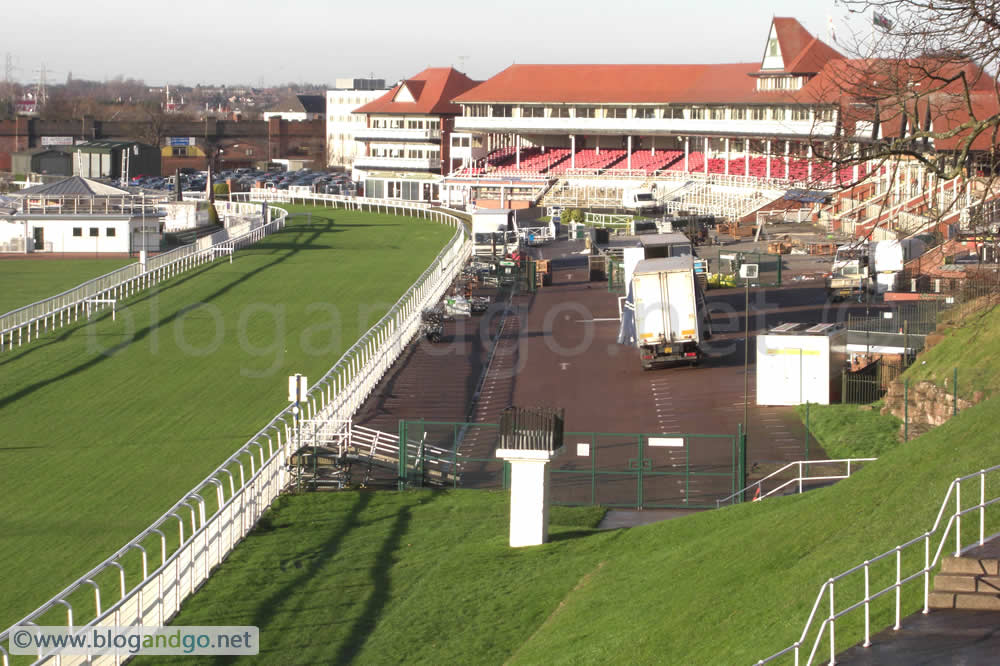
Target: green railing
[
  {"x": 626, "y": 470},
  {"x": 728, "y": 262}
]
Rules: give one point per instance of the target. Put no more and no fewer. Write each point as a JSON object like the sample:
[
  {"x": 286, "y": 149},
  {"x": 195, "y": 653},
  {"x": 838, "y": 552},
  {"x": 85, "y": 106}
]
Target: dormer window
[{"x": 772, "y": 47}]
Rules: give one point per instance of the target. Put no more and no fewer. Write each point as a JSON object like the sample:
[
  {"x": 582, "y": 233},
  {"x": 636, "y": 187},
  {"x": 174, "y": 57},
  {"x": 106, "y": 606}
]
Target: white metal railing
[
  {"x": 21, "y": 326},
  {"x": 942, "y": 526},
  {"x": 802, "y": 476},
  {"x": 256, "y": 473},
  {"x": 370, "y": 204},
  {"x": 125, "y": 204}
]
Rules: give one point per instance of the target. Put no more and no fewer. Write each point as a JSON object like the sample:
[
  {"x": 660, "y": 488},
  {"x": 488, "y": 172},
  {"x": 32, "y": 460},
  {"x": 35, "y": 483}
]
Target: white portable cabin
[{"x": 796, "y": 364}]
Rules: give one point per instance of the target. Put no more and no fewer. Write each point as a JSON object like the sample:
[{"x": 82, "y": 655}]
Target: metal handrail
[
  {"x": 827, "y": 589},
  {"x": 798, "y": 479}
]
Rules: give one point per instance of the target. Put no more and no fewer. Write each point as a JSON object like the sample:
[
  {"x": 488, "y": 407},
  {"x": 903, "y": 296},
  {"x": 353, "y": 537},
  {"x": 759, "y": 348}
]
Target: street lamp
[{"x": 747, "y": 272}]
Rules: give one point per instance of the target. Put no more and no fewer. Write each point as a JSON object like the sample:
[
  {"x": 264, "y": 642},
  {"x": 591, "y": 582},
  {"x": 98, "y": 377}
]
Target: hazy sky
[{"x": 271, "y": 42}]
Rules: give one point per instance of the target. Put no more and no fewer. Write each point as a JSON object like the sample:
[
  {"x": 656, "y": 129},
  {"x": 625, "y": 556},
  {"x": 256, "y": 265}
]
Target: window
[
  {"x": 697, "y": 113},
  {"x": 674, "y": 112},
  {"x": 800, "y": 114},
  {"x": 93, "y": 232},
  {"x": 559, "y": 112},
  {"x": 772, "y": 48},
  {"x": 778, "y": 113},
  {"x": 645, "y": 112},
  {"x": 825, "y": 115},
  {"x": 532, "y": 111},
  {"x": 717, "y": 113},
  {"x": 758, "y": 113},
  {"x": 616, "y": 112},
  {"x": 585, "y": 112},
  {"x": 502, "y": 111},
  {"x": 77, "y": 232},
  {"x": 109, "y": 232},
  {"x": 738, "y": 113}
]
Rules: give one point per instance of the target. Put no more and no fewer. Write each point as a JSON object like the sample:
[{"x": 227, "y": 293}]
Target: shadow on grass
[
  {"x": 140, "y": 335},
  {"x": 566, "y": 535},
  {"x": 364, "y": 625}
]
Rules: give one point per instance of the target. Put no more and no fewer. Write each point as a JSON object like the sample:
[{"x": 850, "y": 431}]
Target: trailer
[{"x": 669, "y": 312}]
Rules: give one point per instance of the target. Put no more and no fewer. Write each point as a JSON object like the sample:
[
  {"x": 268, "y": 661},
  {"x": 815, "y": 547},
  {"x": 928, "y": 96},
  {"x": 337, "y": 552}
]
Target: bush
[
  {"x": 574, "y": 215},
  {"x": 220, "y": 189}
]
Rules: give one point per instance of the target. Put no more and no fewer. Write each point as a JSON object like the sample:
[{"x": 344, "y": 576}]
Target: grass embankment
[
  {"x": 427, "y": 577},
  {"x": 28, "y": 280},
  {"x": 972, "y": 346},
  {"x": 106, "y": 424},
  {"x": 852, "y": 431}
]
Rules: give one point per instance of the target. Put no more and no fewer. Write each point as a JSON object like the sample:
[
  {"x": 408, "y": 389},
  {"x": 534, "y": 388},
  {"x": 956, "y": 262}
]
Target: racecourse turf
[
  {"x": 24, "y": 281},
  {"x": 106, "y": 424}
]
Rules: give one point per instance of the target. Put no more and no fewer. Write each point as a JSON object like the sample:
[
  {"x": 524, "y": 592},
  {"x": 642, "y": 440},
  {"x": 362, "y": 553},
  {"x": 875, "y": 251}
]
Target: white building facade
[{"x": 342, "y": 124}]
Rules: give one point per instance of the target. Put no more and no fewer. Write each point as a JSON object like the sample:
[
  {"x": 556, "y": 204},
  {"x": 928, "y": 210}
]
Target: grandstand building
[{"x": 407, "y": 135}]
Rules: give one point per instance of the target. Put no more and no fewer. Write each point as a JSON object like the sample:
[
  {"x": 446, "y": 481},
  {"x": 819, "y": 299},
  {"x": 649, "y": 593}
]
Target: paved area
[
  {"x": 559, "y": 348},
  {"x": 618, "y": 518},
  {"x": 966, "y": 638}
]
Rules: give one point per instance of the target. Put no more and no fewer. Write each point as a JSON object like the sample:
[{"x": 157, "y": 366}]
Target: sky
[{"x": 271, "y": 42}]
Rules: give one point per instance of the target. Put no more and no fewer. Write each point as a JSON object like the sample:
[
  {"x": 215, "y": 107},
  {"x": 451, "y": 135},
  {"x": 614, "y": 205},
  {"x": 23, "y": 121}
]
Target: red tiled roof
[
  {"x": 793, "y": 39},
  {"x": 432, "y": 89},
  {"x": 619, "y": 84}
]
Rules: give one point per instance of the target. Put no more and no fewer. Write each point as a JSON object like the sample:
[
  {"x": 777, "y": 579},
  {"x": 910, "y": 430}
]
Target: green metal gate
[{"x": 624, "y": 470}]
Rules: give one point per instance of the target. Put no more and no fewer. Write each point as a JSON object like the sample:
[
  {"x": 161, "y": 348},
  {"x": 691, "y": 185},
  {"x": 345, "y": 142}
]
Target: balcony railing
[
  {"x": 649, "y": 125},
  {"x": 396, "y": 163},
  {"x": 396, "y": 134}
]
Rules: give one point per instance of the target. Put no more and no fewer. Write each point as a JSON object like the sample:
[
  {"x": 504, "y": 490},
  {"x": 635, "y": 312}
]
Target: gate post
[
  {"x": 401, "y": 484},
  {"x": 742, "y": 466},
  {"x": 640, "y": 458}
]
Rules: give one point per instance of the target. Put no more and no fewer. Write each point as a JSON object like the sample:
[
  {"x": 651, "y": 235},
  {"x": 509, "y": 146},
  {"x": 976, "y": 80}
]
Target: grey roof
[
  {"x": 75, "y": 186},
  {"x": 663, "y": 239},
  {"x": 299, "y": 103},
  {"x": 104, "y": 146},
  {"x": 664, "y": 264}
]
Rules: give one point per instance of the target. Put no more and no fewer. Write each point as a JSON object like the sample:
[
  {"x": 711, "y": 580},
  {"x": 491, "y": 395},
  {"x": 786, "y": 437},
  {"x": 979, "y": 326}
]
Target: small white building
[
  {"x": 77, "y": 215},
  {"x": 297, "y": 107},
  {"x": 798, "y": 364}
]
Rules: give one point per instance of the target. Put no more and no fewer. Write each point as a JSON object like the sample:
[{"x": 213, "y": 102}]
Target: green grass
[
  {"x": 427, "y": 577},
  {"x": 848, "y": 431},
  {"x": 106, "y": 424},
  {"x": 26, "y": 281},
  {"x": 973, "y": 348}
]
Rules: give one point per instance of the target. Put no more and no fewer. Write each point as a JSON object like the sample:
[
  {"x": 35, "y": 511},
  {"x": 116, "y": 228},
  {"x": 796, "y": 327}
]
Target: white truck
[
  {"x": 639, "y": 200},
  {"x": 669, "y": 312}
]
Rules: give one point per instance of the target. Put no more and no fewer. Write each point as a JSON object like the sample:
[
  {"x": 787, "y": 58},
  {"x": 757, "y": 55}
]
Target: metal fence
[
  {"x": 203, "y": 527},
  {"x": 870, "y": 383},
  {"x": 629, "y": 470},
  {"x": 728, "y": 262},
  {"x": 27, "y": 323}
]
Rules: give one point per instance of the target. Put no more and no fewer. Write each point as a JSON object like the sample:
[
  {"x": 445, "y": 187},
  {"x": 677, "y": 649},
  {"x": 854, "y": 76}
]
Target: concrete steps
[{"x": 968, "y": 583}]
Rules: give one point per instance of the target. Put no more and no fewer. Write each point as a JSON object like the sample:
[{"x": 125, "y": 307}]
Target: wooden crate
[{"x": 541, "y": 266}]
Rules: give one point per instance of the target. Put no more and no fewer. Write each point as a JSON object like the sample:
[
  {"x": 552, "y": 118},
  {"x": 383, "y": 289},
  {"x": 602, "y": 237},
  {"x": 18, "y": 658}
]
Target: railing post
[
  {"x": 982, "y": 506},
  {"x": 833, "y": 622},
  {"x": 868, "y": 595},
  {"x": 927, "y": 572},
  {"x": 958, "y": 517},
  {"x": 899, "y": 587}
]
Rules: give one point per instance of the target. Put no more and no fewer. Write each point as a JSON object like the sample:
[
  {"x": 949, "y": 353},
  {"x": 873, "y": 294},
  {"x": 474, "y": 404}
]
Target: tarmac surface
[{"x": 662, "y": 439}]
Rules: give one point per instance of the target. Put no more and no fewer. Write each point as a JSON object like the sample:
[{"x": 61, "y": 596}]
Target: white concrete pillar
[
  {"x": 517, "y": 151},
  {"x": 572, "y": 151},
  {"x": 705, "y": 154},
  {"x": 746, "y": 157},
  {"x": 652, "y": 147},
  {"x": 727, "y": 156},
  {"x": 809, "y": 164},
  {"x": 787, "y": 157},
  {"x": 628, "y": 158},
  {"x": 687, "y": 153},
  {"x": 768, "y": 153},
  {"x": 529, "y": 495}
]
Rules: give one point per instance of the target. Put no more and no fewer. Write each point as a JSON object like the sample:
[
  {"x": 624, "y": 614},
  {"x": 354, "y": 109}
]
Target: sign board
[
  {"x": 177, "y": 141},
  {"x": 583, "y": 449},
  {"x": 57, "y": 141},
  {"x": 298, "y": 385},
  {"x": 748, "y": 271},
  {"x": 677, "y": 442}
]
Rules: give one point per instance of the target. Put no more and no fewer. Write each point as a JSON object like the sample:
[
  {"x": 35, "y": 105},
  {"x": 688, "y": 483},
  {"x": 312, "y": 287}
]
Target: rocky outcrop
[{"x": 930, "y": 405}]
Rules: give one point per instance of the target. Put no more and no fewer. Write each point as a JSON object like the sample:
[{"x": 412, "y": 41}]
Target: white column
[
  {"x": 809, "y": 164},
  {"x": 628, "y": 158},
  {"x": 652, "y": 148},
  {"x": 529, "y": 495},
  {"x": 768, "y": 153},
  {"x": 572, "y": 151},
  {"x": 686, "y": 154},
  {"x": 746, "y": 157},
  {"x": 705, "y": 154},
  {"x": 727, "y": 156},
  {"x": 787, "y": 146},
  {"x": 517, "y": 151}
]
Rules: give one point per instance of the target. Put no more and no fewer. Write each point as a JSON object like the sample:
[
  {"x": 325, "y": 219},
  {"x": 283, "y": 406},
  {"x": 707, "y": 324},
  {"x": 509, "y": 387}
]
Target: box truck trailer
[{"x": 669, "y": 312}]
